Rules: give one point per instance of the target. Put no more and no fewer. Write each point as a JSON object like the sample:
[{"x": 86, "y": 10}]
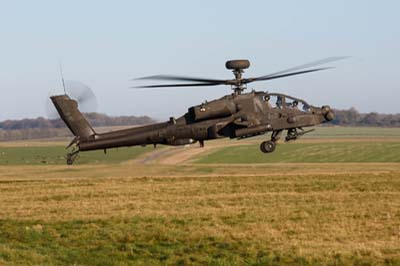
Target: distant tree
[
  {"x": 371, "y": 119},
  {"x": 348, "y": 117}
]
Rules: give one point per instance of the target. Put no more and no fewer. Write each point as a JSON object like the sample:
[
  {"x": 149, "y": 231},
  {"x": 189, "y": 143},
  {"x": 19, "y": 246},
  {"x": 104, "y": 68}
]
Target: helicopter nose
[{"x": 328, "y": 112}]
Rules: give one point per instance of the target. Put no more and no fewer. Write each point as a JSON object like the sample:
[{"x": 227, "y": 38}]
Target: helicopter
[{"x": 238, "y": 115}]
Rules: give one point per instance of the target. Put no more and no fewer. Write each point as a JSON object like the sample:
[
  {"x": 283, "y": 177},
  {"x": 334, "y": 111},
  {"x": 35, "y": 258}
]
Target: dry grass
[{"x": 292, "y": 208}]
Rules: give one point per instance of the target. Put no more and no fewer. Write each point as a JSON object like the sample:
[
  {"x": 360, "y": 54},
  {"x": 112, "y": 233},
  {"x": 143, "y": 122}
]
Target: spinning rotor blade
[
  {"x": 311, "y": 64},
  {"x": 80, "y": 95},
  {"x": 182, "y": 78},
  {"x": 238, "y": 82},
  {"x": 245, "y": 81},
  {"x": 232, "y": 82},
  {"x": 84, "y": 95},
  {"x": 177, "y": 85},
  {"x": 78, "y": 91}
]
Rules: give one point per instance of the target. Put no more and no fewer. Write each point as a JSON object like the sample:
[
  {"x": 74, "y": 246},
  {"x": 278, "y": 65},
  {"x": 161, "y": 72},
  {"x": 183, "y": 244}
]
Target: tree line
[
  {"x": 40, "y": 127},
  {"x": 95, "y": 119},
  {"x": 351, "y": 117}
]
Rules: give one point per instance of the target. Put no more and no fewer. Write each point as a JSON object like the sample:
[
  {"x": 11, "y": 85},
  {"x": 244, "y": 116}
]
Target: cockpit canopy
[{"x": 282, "y": 101}]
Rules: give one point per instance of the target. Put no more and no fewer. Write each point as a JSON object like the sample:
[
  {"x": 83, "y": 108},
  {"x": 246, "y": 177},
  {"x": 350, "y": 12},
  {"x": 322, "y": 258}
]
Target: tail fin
[{"x": 68, "y": 110}]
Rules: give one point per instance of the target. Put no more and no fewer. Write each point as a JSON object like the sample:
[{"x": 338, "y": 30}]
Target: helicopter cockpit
[{"x": 282, "y": 101}]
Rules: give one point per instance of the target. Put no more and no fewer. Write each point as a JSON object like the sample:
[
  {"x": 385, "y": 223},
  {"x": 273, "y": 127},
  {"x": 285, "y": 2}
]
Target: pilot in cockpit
[
  {"x": 295, "y": 104},
  {"x": 266, "y": 100},
  {"x": 279, "y": 102}
]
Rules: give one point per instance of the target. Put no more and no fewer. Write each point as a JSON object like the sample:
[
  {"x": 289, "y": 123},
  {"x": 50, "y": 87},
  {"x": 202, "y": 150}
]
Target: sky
[{"x": 105, "y": 44}]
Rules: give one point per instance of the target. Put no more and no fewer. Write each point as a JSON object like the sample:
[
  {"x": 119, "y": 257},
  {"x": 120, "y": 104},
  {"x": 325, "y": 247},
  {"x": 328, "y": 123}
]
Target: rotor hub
[{"x": 237, "y": 67}]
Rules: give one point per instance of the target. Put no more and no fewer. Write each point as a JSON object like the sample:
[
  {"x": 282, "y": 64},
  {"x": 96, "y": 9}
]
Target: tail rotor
[{"x": 78, "y": 91}]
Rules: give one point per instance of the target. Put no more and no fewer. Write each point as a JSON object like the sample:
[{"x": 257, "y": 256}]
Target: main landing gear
[
  {"x": 270, "y": 145},
  {"x": 201, "y": 142},
  {"x": 292, "y": 134}
]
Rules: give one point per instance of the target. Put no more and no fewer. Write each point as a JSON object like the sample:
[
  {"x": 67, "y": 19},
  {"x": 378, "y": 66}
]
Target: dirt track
[{"x": 183, "y": 154}]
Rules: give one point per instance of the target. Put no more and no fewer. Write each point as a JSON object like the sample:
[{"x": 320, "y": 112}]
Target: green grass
[
  {"x": 324, "y": 152},
  {"x": 148, "y": 241},
  {"x": 309, "y": 153},
  {"x": 135, "y": 241},
  {"x": 353, "y": 132},
  {"x": 56, "y": 155}
]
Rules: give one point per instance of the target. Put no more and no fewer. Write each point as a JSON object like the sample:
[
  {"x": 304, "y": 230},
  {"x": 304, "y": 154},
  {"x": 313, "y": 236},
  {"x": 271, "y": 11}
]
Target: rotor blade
[
  {"x": 176, "y": 85},
  {"x": 182, "y": 78},
  {"x": 245, "y": 81},
  {"x": 83, "y": 94},
  {"x": 78, "y": 91},
  {"x": 311, "y": 64}
]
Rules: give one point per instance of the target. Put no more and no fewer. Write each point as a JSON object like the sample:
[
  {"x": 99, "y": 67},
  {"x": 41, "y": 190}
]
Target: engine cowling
[{"x": 216, "y": 109}]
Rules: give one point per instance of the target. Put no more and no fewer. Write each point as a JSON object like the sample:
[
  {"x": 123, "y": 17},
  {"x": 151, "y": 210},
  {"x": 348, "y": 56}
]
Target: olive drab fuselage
[
  {"x": 234, "y": 116},
  {"x": 239, "y": 115}
]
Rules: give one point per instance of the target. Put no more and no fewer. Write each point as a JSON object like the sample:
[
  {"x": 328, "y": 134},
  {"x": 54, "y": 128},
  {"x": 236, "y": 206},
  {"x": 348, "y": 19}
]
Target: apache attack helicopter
[{"x": 238, "y": 115}]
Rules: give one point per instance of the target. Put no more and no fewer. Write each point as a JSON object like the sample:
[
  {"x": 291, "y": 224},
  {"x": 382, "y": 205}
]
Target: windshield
[
  {"x": 297, "y": 104},
  {"x": 274, "y": 101},
  {"x": 280, "y": 101}
]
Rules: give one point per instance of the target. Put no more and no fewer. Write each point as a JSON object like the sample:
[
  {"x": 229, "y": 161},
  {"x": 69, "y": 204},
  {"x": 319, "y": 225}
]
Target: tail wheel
[
  {"x": 71, "y": 157},
  {"x": 70, "y": 161},
  {"x": 267, "y": 146}
]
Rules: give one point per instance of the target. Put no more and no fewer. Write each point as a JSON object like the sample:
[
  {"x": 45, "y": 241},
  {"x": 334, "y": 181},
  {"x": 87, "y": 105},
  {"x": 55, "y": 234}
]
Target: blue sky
[{"x": 106, "y": 43}]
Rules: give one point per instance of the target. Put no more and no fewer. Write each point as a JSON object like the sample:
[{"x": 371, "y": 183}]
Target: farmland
[{"x": 332, "y": 198}]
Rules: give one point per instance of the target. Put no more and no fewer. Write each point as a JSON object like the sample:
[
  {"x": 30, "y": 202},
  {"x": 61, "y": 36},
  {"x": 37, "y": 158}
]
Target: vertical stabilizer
[{"x": 68, "y": 110}]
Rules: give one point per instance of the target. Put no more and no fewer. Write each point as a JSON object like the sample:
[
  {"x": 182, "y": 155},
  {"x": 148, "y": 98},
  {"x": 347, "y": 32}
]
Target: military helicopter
[{"x": 238, "y": 115}]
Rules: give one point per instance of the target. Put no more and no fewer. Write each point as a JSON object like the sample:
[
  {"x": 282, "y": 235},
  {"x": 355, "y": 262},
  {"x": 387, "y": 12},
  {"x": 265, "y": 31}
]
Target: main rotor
[{"x": 238, "y": 84}]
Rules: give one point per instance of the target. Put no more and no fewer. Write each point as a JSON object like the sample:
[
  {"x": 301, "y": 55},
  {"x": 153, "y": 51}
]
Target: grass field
[
  {"x": 354, "y": 132},
  {"x": 321, "y": 201},
  {"x": 334, "y": 152},
  {"x": 55, "y": 154}
]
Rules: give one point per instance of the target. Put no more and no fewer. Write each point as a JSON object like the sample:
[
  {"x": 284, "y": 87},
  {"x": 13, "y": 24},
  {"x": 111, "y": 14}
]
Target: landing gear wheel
[
  {"x": 71, "y": 157},
  {"x": 267, "y": 146},
  {"x": 201, "y": 142},
  {"x": 70, "y": 161}
]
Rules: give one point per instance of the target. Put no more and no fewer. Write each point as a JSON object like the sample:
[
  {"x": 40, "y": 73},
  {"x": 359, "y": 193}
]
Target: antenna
[{"x": 62, "y": 79}]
